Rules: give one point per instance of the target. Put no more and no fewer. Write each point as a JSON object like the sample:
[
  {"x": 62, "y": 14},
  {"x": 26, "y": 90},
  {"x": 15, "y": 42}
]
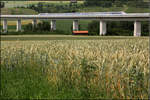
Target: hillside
[
  {"x": 56, "y": 6},
  {"x": 20, "y": 11},
  {"x": 11, "y": 4}
]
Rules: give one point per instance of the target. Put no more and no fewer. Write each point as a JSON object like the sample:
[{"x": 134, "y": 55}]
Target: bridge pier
[
  {"x": 34, "y": 23},
  {"x": 103, "y": 28},
  {"x": 137, "y": 28},
  {"x": 53, "y": 25},
  {"x": 18, "y": 25},
  {"x": 75, "y": 25},
  {"x": 5, "y": 25}
]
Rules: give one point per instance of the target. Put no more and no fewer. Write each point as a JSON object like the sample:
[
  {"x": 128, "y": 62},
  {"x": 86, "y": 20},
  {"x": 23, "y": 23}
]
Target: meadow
[{"x": 63, "y": 67}]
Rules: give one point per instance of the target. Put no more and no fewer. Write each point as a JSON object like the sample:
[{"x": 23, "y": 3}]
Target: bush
[
  {"x": 145, "y": 28},
  {"x": 120, "y": 28},
  {"x": 93, "y": 28},
  {"x": 2, "y": 4},
  {"x": 44, "y": 26},
  {"x": 57, "y": 32}
]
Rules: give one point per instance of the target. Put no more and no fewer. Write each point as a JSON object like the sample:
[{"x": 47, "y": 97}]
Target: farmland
[
  {"x": 50, "y": 66},
  {"x": 62, "y": 67}
]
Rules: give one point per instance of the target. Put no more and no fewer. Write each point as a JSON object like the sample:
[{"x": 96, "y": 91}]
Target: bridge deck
[{"x": 91, "y": 15}]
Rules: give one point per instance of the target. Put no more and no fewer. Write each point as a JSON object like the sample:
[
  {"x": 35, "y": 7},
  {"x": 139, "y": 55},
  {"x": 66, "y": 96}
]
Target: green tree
[
  {"x": 117, "y": 28},
  {"x": 93, "y": 28},
  {"x": 106, "y": 3},
  {"x": 2, "y": 4},
  {"x": 135, "y": 3}
]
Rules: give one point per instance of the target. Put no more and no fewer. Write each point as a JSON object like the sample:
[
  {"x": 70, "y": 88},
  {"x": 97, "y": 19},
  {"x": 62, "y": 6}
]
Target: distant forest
[{"x": 119, "y": 3}]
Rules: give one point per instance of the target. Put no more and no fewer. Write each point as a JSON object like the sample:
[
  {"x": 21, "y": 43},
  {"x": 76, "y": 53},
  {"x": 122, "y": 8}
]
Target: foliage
[
  {"x": 118, "y": 28},
  {"x": 54, "y": 8},
  {"x": 2, "y": 4},
  {"x": 118, "y": 3},
  {"x": 101, "y": 3},
  {"x": 93, "y": 28},
  {"x": 43, "y": 26},
  {"x": 138, "y": 4}
]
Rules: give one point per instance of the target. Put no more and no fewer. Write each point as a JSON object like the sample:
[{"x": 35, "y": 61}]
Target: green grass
[
  {"x": 12, "y": 28},
  {"x": 67, "y": 68},
  {"x": 65, "y": 25},
  {"x": 15, "y": 11},
  {"x": 62, "y": 37},
  {"x": 137, "y": 10}
]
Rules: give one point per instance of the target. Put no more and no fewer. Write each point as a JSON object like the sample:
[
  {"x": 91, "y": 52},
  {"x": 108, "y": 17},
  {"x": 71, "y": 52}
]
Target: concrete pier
[
  {"x": 75, "y": 25},
  {"x": 5, "y": 25},
  {"x": 53, "y": 25},
  {"x": 137, "y": 28},
  {"x": 18, "y": 25},
  {"x": 34, "y": 23},
  {"x": 103, "y": 28}
]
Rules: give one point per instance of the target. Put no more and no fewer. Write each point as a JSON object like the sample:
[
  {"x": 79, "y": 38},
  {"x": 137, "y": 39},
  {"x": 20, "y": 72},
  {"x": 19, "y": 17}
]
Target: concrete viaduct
[{"x": 102, "y": 17}]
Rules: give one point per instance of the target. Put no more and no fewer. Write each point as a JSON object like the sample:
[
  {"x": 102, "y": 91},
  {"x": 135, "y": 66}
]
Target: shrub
[
  {"x": 93, "y": 28},
  {"x": 44, "y": 26}
]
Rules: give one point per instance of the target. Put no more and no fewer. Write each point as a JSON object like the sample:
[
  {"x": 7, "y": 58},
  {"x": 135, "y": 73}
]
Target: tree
[
  {"x": 92, "y": 2},
  {"x": 42, "y": 27},
  {"x": 135, "y": 3},
  {"x": 102, "y": 3},
  {"x": 2, "y": 4},
  {"x": 119, "y": 3},
  {"x": 93, "y": 28}
]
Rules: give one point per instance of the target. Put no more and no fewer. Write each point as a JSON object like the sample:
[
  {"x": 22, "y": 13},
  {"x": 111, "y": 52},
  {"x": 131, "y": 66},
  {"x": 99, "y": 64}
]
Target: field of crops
[{"x": 100, "y": 68}]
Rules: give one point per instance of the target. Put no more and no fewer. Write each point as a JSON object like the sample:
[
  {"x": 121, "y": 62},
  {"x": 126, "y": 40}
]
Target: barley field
[{"x": 75, "y": 69}]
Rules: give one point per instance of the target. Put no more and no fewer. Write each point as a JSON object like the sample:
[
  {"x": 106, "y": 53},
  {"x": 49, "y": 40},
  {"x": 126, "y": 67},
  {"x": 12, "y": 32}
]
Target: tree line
[
  {"x": 118, "y": 3},
  {"x": 118, "y": 28}
]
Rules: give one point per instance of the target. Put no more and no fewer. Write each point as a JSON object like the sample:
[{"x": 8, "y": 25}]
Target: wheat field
[{"x": 114, "y": 68}]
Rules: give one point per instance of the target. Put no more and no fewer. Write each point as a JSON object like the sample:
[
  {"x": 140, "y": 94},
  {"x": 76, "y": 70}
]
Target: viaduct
[{"x": 102, "y": 17}]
